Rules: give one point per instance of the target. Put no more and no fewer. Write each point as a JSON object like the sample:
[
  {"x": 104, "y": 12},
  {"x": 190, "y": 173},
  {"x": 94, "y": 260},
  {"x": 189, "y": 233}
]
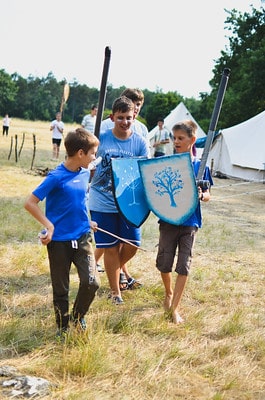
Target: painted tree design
[
  {"x": 130, "y": 180},
  {"x": 168, "y": 182}
]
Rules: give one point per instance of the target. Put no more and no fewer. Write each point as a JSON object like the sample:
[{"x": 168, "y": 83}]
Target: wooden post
[
  {"x": 16, "y": 148},
  {"x": 34, "y": 150},
  {"x": 11, "y": 146},
  {"x": 22, "y": 143}
]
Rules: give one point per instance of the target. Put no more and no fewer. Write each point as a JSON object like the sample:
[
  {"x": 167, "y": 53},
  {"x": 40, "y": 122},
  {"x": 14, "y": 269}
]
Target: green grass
[{"x": 134, "y": 351}]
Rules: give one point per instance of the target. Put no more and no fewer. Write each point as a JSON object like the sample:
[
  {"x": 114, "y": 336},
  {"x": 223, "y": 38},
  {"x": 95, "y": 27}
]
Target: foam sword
[
  {"x": 102, "y": 92},
  {"x": 212, "y": 128},
  {"x": 66, "y": 92}
]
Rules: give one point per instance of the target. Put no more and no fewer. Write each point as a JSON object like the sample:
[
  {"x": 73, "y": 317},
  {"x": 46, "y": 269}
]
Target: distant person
[
  {"x": 57, "y": 127},
  {"x": 121, "y": 141},
  {"x": 161, "y": 139},
  {"x": 89, "y": 120},
  {"x": 6, "y": 124},
  {"x": 180, "y": 237},
  {"x": 68, "y": 228}
]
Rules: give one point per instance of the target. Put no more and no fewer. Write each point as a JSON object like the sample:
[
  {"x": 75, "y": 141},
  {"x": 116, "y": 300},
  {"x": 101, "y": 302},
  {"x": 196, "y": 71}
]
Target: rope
[{"x": 118, "y": 237}]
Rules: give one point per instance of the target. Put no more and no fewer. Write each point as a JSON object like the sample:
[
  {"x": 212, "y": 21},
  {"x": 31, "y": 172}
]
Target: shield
[
  {"x": 128, "y": 190},
  {"x": 170, "y": 187}
]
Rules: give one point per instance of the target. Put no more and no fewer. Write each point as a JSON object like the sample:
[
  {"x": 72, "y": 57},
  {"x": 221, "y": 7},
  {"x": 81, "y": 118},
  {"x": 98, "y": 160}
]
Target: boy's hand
[
  {"x": 93, "y": 226},
  {"x": 203, "y": 196},
  {"x": 48, "y": 238}
]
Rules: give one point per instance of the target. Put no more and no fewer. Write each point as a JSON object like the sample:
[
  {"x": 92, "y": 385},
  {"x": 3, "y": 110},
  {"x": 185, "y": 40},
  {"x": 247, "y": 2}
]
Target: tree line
[{"x": 35, "y": 98}]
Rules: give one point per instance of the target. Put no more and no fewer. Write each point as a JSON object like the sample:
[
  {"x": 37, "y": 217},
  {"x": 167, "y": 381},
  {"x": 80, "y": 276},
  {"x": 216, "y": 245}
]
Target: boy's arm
[{"x": 31, "y": 205}]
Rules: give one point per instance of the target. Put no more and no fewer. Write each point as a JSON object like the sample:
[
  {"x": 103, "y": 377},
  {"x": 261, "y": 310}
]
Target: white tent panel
[
  {"x": 239, "y": 151},
  {"x": 246, "y": 142},
  {"x": 179, "y": 113}
]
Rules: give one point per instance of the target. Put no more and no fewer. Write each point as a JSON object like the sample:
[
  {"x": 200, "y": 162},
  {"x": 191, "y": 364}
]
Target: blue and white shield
[
  {"x": 128, "y": 190},
  {"x": 170, "y": 187}
]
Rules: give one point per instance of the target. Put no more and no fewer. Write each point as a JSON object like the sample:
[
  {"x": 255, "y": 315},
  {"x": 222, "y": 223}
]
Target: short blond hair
[{"x": 188, "y": 126}]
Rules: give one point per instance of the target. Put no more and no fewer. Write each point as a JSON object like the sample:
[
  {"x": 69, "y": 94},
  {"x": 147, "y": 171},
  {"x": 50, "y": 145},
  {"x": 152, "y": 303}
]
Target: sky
[{"x": 168, "y": 45}]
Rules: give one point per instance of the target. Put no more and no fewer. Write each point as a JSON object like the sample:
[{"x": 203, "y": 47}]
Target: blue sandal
[
  {"x": 134, "y": 284},
  {"x": 123, "y": 282}
]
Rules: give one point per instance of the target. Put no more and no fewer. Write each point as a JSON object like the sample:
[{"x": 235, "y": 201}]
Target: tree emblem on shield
[
  {"x": 128, "y": 190},
  {"x": 168, "y": 181},
  {"x": 170, "y": 187}
]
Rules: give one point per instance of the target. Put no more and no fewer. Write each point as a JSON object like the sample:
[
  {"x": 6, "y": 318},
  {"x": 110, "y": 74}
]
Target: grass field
[{"x": 133, "y": 351}]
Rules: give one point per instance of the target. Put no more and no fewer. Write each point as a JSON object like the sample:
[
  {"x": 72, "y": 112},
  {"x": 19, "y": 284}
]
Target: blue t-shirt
[
  {"x": 196, "y": 218},
  {"x": 65, "y": 193},
  {"x": 100, "y": 193}
]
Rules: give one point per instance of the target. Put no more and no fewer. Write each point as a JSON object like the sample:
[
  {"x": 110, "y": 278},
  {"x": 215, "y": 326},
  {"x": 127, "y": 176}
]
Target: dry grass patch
[{"x": 133, "y": 351}]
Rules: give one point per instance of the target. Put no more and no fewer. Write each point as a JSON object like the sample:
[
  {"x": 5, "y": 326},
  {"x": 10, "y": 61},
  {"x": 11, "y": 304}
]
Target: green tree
[
  {"x": 160, "y": 106},
  {"x": 80, "y": 101},
  {"x": 245, "y": 96},
  {"x": 23, "y": 97},
  {"x": 8, "y": 90}
]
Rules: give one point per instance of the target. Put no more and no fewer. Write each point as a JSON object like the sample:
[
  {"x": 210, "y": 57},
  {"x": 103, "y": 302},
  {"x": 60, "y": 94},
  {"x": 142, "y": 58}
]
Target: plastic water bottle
[{"x": 43, "y": 234}]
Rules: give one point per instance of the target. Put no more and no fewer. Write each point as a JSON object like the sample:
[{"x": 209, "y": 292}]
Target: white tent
[
  {"x": 239, "y": 151},
  {"x": 178, "y": 114}
]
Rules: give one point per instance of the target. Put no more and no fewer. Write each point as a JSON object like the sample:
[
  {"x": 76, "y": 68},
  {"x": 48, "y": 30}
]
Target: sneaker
[
  {"x": 80, "y": 323},
  {"x": 61, "y": 334},
  {"x": 99, "y": 268},
  {"x": 117, "y": 300},
  {"x": 134, "y": 284}
]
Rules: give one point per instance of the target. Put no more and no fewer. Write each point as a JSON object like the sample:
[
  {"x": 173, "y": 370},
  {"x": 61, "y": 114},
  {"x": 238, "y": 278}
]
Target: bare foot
[
  {"x": 177, "y": 318},
  {"x": 167, "y": 302}
]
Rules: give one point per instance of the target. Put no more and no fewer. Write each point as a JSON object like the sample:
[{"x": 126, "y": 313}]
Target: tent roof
[{"x": 179, "y": 113}]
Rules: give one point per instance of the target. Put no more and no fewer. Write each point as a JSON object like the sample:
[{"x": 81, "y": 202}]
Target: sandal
[
  {"x": 134, "y": 284},
  {"x": 123, "y": 282}
]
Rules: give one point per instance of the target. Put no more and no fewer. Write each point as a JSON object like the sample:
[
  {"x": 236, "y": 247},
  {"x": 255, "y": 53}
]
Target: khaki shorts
[{"x": 171, "y": 239}]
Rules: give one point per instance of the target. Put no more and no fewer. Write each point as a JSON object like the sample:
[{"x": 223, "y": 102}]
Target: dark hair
[
  {"x": 80, "y": 139},
  {"x": 94, "y": 106},
  {"x": 122, "y": 104},
  {"x": 160, "y": 119}
]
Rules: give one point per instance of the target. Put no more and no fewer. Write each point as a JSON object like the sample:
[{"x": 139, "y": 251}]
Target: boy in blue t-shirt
[
  {"x": 182, "y": 236},
  {"x": 66, "y": 219},
  {"x": 121, "y": 141}
]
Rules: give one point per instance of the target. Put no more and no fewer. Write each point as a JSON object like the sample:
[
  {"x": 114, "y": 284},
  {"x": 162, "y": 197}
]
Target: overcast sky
[{"x": 169, "y": 45}]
